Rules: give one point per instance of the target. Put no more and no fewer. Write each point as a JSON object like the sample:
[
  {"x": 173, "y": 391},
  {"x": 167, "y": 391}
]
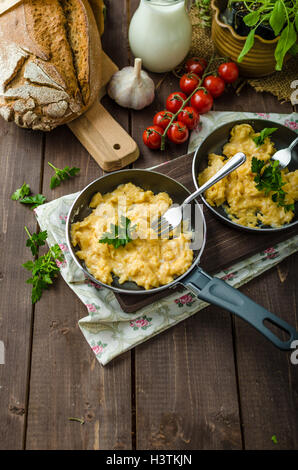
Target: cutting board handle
[{"x": 108, "y": 143}]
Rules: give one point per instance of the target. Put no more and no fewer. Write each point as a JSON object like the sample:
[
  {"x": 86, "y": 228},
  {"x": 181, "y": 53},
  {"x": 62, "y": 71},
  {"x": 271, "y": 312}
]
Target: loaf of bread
[{"x": 50, "y": 62}]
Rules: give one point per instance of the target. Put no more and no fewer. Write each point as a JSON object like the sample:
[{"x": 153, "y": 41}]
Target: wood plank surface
[
  {"x": 66, "y": 380},
  {"x": 21, "y": 156},
  {"x": 211, "y": 382}
]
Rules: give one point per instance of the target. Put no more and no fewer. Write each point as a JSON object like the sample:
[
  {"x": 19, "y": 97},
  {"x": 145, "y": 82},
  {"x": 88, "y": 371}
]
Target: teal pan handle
[{"x": 217, "y": 292}]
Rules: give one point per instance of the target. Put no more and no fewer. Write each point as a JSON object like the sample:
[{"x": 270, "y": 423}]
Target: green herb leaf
[
  {"x": 44, "y": 269},
  {"x": 119, "y": 235},
  {"x": 21, "y": 192},
  {"x": 286, "y": 41},
  {"x": 252, "y": 18},
  {"x": 277, "y": 17},
  {"x": 274, "y": 439},
  {"x": 269, "y": 179},
  {"x": 263, "y": 134},
  {"x": 248, "y": 45},
  {"x": 61, "y": 175},
  {"x": 36, "y": 240},
  {"x": 36, "y": 200}
]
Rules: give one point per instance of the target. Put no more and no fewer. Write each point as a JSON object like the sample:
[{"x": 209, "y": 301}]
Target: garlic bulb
[{"x": 131, "y": 87}]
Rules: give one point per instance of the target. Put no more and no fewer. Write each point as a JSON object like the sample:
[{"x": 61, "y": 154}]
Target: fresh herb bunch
[
  {"x": 120, "y": 235},
  {"x": 62, "y": 175},
  {"x": 281, "y": 15},
  {"x": 44, "y": 269},
  {"x": 259, "y": 140},
  {"x": 269, "y": 179},
  {"x": 22, "y": 192},
  {"x": 22, "y": 195}
]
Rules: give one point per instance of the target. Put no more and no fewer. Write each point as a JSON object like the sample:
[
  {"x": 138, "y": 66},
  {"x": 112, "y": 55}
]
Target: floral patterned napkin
[{"x": 110, "y": 331}]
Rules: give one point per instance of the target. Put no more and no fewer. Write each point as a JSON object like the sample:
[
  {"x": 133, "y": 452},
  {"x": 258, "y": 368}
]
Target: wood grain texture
[
  {"x": 20, "y": 162},
  {"x": 268, "y": 382},
  {"x": 211, "y": 382},
  {"x": 66, "y": 379}
]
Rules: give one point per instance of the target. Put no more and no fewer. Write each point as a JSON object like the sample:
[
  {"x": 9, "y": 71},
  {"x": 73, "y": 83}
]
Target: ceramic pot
[{"x": 259, "y": 61}]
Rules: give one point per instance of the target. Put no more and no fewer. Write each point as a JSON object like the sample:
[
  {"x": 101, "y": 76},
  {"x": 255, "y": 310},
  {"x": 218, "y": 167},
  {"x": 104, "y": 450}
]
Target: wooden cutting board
[
  {"x": 108, "y": 143},
  {"x": 225, "y": 245}
]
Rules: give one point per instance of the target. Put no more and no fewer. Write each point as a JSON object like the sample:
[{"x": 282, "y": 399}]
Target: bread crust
[{"x": 35, "y": 92}]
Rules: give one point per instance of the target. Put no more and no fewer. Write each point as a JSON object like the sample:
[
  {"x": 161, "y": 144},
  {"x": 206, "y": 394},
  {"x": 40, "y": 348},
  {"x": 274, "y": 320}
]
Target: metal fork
[{"x": 173, "y": 216}]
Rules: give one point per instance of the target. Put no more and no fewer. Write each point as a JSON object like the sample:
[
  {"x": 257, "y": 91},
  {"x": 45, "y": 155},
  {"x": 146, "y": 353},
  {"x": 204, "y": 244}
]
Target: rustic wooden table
[{"x": 211, "y": 382}]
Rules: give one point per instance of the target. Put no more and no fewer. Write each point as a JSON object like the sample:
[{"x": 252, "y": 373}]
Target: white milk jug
[{"x": 160, "y": 34}]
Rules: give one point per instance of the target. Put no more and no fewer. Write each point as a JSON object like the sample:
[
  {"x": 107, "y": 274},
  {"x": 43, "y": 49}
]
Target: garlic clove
[{"x": 132, "y": 87}]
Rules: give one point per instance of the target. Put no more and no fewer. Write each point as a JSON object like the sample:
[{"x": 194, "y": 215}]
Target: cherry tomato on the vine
[
  {"x": 152, "y": 136},
  {"x": 189, "y": 82},
  {"x": 196, "y": 65},
  {"x": 178, "y": 132},
  {"x": 162, "y": 118},
  {"x": 202, "y": 101},
  {"x": 175, "y": 101},
  {"x": 229, "y": 72},
  {"x": 189, "y": 116},
  {"x": 215, "y": 85}
]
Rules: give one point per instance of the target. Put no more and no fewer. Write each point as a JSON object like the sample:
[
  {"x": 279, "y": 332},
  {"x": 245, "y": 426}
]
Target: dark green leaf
[
  {"x": 119, "y": 235},
  {"x": 35, "y": 200},
  {"x": 62, "y": 175},
  {"x": 21, "y": 192},
  {"x": 44, "y": 269},
  {"x": 263, "y": 134},
  {"x": 286, "y": 41},
  {"x": 248, "y": 45},
  {"x": 277, "y": 17},
  {"x": 269, "y": 179}
]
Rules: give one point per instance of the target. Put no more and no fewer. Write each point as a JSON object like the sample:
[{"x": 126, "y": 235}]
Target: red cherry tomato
[
  {"x": 190, "y": 117},
  {"x": 189, "y": 82},
  {"x": 229, "y": 72},
  {"x": 202, "y": 101},
  {"x": 162, "y": 118},
  {"x": 152, "y": 136},
  {"x": 196, "y": 65},
  {"x": 178, "y": 132},
  {"x": 175, "y": 101},
  {"x": 215, "y": 85}
]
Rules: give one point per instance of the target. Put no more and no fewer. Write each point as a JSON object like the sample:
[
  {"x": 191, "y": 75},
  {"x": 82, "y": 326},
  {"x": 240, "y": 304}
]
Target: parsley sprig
[
  {"x": 62, "y": 175},
  {"x": 119, "y": 235},
  {"x": 260, "y": 139},
  {"x": 21, "y": 192},
  {"x": 22, "y": 195},
  {"x": 44, "y": 269},
  {"x": 269, "y": 179}
]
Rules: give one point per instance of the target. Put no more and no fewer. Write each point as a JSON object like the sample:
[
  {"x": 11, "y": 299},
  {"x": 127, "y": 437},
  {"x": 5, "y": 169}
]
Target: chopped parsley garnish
[
  {"x": 259, "y": 140},
  {"x": 22, "y": 195},
  {"x": 61, "y": 175},
  {"x": 21, "y": 192},
  {"x": 119, "y": 235},
  {"x": 35, "y": 201},
  {"x": 44, "y": 269},
  {"x": 269, "y": 179}
]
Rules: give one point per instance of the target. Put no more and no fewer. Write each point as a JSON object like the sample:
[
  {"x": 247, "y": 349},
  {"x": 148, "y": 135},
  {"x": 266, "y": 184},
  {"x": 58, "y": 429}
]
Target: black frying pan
[
  {"x": 214, "y": 144},
  {"x": 204, "y": 286}
]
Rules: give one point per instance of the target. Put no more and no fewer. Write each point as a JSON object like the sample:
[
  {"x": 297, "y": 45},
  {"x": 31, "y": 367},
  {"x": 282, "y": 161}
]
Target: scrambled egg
[
  {"x": 147, "y": 260},
  {"x": 237, "y": 192}
]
